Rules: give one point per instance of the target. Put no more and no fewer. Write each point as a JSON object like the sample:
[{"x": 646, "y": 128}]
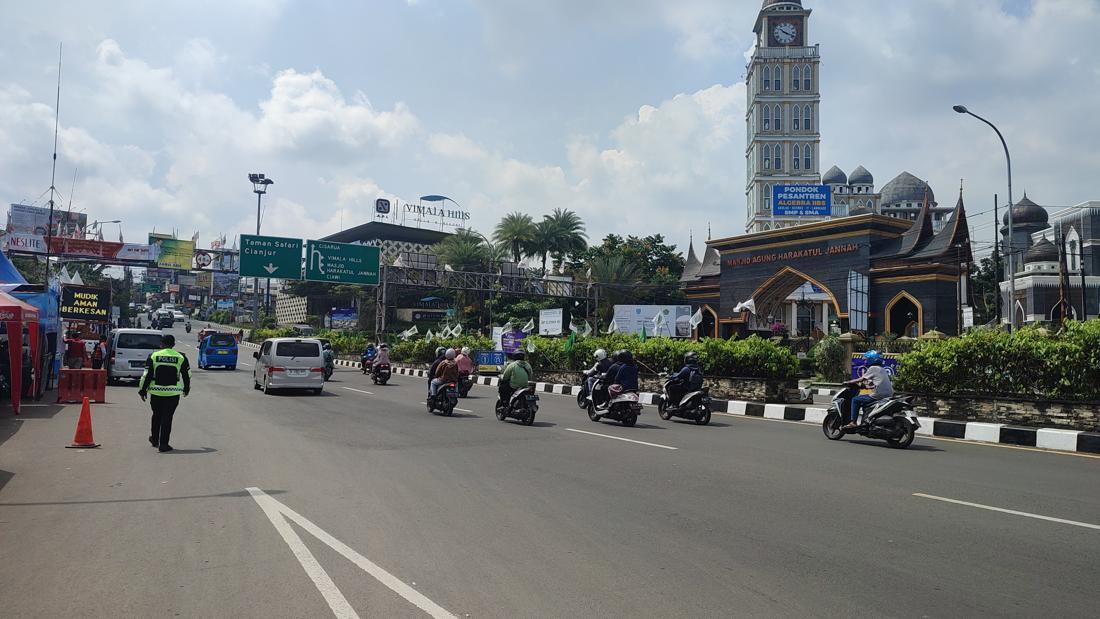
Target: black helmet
[
  {"x": 440, "y": 351},
  {"x": 518, "y": 355},
  {"x": 691, "y": 357},
  {"x": 627, "y": 357},
  {"x": 617, "y": 356}
]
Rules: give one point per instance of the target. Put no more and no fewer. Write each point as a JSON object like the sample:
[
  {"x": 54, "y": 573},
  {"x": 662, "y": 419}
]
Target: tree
[
  {"x": 985, "y": 286},
  {"x": 516, "y": 231},
  {"x": 465, "y": 250},
  {"x": 617, "y": 277},
  {"x": 569, "y": 236},
  {"x": 656, "y": 264},
  {"x": 543, "y": 241}
]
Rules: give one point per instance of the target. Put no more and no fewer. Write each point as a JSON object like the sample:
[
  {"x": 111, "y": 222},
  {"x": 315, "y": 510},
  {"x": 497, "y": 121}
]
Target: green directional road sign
[
  {"x": 271, "y": 256},
  {"x": 341, "y": 263}
]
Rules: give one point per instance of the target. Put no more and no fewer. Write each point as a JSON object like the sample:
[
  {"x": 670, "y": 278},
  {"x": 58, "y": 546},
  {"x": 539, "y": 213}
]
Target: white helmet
[
  {"x": 466, "y": 350},
  {"x": 600, "y": 354}
]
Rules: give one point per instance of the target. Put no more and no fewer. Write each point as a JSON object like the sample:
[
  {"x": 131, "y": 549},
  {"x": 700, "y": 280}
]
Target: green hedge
[
  {"x": 746, "y": 358},
  {"x": 828, "y": 359},
  {"x": 422, "y": 351},
  {"x": 990, "y": 362},
  {"x": 343, "y": 342}
]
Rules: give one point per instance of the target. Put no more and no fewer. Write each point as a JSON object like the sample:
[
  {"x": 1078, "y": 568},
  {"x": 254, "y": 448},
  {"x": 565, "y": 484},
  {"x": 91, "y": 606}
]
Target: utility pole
[
  {"x": 53, "y": 172},
  {"x": 260, "y": 183},
  {"x": 997, "y": 258}
]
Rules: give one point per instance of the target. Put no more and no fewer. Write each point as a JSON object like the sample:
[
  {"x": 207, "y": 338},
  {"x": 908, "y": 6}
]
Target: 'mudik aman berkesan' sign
[{"x": 85, "y": 303}]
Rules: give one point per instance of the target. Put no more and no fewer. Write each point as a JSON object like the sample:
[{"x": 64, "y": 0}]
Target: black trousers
[{"x": 163, "y": 409}]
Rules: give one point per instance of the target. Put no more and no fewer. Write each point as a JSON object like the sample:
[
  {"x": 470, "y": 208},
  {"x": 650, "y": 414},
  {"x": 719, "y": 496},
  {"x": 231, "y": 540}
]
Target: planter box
[
  {"x": 747, "y": 389},
  {"x": 1083, "y": 416}
]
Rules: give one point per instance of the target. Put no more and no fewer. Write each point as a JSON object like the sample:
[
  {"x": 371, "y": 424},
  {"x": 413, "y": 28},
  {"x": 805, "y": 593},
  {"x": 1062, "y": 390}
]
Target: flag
[
  {"x": 428, "y": 336},
  {"x": 697, "y": 318},
  {"x": 120, "y": 235},
  {"x": 529, "y": 327},
  {"x": 613, "y": 327},
  {"x": 587, "y": 329},
  {"x": 643, "y": 336},
  {"x": 506, "y": 327},
  {"x": 195, "y": 239},
  {"x": 530, "y": 345},
  {"x": 573, "y": 328},
  {"x": 456, "y": 330},
  {"x": 749, "y": 306},
  {"x": 64, "y": 276},
  {"x": 572, "y": 340}
]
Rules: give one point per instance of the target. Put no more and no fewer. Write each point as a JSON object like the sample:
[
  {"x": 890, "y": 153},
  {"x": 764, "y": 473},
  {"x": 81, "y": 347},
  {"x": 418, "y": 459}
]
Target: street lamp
[
  {"x": 97, "y": 224},
  {"x": 260, "y": 183},
  {"x": 961, "y": 109}
]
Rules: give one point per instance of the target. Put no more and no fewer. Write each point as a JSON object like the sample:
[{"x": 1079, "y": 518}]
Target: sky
[{"x": 629, "y": 113}]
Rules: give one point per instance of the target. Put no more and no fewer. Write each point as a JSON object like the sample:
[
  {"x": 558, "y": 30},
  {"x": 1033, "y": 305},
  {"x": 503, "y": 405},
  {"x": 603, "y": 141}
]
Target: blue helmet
[{"x": 873, "y": 357}]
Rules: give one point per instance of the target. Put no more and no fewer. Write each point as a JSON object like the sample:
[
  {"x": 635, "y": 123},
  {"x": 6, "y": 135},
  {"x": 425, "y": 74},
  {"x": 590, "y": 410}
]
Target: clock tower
[{"x": 784, "y": 99}]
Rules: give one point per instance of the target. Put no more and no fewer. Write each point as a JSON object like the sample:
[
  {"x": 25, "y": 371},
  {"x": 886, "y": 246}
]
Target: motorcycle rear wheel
[
  {"x": 629, "y": 420},
  {"x": 662, "y": 410},
  {"x": 528, "y": 419},
  {"x": 592, "y": 413},
  {"x": 906, "y": 439},
  {"x": 831, "y": 426},
  {"x": 703, "y": 419},
  {"x": 582, "y": 400}
]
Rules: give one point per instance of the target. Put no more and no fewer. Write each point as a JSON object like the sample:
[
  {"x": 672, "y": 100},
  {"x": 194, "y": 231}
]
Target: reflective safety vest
[{"x": 167, "y": 364}]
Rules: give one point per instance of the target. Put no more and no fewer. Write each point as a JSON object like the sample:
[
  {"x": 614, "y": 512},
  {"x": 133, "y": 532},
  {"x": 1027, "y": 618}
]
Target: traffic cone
[{"x": 83, "y": 437}]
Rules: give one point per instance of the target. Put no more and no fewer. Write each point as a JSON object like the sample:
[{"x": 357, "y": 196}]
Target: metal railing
[{"x": 788, "y": 52}]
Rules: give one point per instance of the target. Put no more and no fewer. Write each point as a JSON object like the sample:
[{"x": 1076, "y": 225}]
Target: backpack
[
  {"x": 695, "y": 379},
  {"x": 519, "y": 374}
]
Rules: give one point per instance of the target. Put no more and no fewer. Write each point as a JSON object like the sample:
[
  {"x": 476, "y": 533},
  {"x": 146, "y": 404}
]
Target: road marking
[
  {"x": 619, "y": 438},
  {"x": 464, "y": 410},
  {"x": 1008, "y": 511},
  {"x": 357, "y": 390},
  {"x": 279, "y": 514}
]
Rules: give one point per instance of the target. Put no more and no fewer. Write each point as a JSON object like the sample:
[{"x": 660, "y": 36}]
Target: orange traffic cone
[{"x": 83, "y": 438}]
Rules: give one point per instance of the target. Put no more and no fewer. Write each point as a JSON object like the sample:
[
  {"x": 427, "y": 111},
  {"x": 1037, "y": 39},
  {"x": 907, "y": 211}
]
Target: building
[
  {"x": 865, "y": 272},
  {"x": 394, "y": 241},
  {"x": 782, "y": 116},
  {"x": 852, "y": 194},
  {"x": 1047, "y": 274}
]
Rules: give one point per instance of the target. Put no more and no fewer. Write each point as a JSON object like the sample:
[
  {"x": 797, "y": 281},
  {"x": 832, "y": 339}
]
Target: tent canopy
[
  {"x": 15, "y": 315},
  {"x": 8, "y": 273}
]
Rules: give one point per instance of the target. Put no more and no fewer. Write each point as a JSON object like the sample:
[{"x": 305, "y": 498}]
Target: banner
[
  {"x": 802, "y": 200},
  {"x": 106, "y": 250},
  {"x": 173, "y": 253},
  {"x": 85, "y": 303},
  {"x": 23, "y": 242},
  {"x": 511, "y": 341},
  {"x": 186, "y": 280},
  {"x": 345, "y": 318},
  {"x": 224, "y": 304},
  {"x": 550, "y": 322},
  {"x": 35, "y": 220},
  {"x": 204, "y": 280},
  {"x": 675, "y": 320},
  {"x": 225, "y": 284}
]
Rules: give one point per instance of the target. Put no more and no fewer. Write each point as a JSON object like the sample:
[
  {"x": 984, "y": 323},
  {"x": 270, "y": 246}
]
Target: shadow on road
[
  {"x": 688, "y": 422},
  {"x": 885, "y": 445},
  {"x": 204, "y": 450},
  {"x": 224, "y": 495},
  {"x": 5, "y": 477},
  {"x": 43, "y": 411}
]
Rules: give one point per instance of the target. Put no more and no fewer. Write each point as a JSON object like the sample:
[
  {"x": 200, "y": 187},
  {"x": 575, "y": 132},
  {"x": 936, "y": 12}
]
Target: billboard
[
  {"x": 24, "y": 243},
  {"x": 550, "y": 321},
  {"x": 511, "y": 341},
  {"x": 204, "y": 280},
  {"x": 345, "y": 318},
  {"x": 106, "y": 250},
  {"x": 802, "y": 200},
  {"x": 85, "y": 303},
  {"x": 675, "y": 320},
  {"x": 35, "y": 220},
  {"x": 173, "y": 253},
  {"x": 217, "y": 260},
  {"x": 224, "y": 304},
  {"x": 225, "y": 284}
]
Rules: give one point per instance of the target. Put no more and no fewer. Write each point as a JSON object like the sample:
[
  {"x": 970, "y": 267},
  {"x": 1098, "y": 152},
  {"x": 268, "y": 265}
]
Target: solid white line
[
  {"x": 619, "y": 438},
  {"x": 1008, "y": 511},
  {"x": 357, "y": 390},
  {"x": 336, "y": 600},
  {"x": 389, "y": 580},
  {"x": 464, "y": 410}
]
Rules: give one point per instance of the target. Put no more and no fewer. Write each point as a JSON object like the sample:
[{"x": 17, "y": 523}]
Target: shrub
[
  {"x": 992, "y": 362},
  {"x": 422, "y": 351},
  {"x": 828, "y": 359}
]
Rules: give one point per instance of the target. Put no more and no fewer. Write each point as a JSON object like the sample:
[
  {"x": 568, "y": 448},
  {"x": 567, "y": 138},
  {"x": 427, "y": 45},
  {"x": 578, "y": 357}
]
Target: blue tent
[{"x": 8, "y": 273}]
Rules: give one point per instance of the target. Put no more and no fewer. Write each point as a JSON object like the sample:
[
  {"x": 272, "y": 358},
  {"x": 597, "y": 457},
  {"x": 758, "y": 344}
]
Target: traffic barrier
[
  {"x": 76, "y": 385},
  {"x": 83, "y": 437}
]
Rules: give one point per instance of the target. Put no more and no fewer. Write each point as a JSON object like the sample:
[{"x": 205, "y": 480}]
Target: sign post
[
  {"x": 271, "y": 256},
  {"x": 342, "y": 263}
]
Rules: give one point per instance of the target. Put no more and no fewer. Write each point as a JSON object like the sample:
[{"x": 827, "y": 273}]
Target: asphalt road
[{"x": 364, "y": 503}]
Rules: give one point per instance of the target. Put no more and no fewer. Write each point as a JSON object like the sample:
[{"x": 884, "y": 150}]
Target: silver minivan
[
  {"x": 289, "y": 363},
  {"x": 127, "y": 351}
]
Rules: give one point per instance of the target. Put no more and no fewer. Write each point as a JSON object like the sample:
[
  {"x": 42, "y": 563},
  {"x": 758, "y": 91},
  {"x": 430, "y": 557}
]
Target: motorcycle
[
  {"x": 694, "y": 405},
  {"x": 892, "y": 419},
  {"x": 583, "y": 394},
  {"x": 623, "y": 407},
  {"x": 521, "y": 406},
  {"x": 365, "y": 363},
  {"x": 187, "y": 327},
  {"x": 330, "y": 368},
  {"x": 380, "y": 373},
  {"x": 465, "y": 383},
  {"x": 445, "y": 399}
]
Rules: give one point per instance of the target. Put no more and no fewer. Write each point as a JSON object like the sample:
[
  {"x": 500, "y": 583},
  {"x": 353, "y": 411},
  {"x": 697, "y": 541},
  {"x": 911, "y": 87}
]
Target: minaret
[{"x": 784, "y": 99}]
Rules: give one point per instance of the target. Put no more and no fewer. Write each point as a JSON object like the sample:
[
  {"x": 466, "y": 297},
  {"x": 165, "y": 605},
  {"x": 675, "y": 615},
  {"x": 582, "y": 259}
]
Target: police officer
[{"x": 167, "y": 376}]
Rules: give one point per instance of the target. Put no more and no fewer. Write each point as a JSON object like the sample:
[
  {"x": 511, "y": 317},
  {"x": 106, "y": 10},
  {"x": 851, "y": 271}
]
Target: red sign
[{"x": 102, "y": 249}]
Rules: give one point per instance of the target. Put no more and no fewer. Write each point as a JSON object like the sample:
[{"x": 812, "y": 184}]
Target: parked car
[{"x": 289, "y": 363}]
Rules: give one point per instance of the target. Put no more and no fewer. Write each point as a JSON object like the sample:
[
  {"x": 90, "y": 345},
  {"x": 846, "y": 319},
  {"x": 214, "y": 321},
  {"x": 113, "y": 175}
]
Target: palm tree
[
  {"x": 569, "y": 235},
  {"x": 617, "y": 278},
  {"x": 515, "y": 231},
  {"x": 463, "y": 251},
  {"x": 544, "y": 240}
]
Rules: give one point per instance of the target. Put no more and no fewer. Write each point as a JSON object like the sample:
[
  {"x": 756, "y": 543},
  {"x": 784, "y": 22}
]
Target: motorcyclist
[
  {"x": 465, "y": 363},
  {"x": 370, "y": 353},
  {"x": 599, "y": 369},
  {"x": 517, "y": 374},
  {"x": 446, "y": 371},
  {"x": 688, "y": 379},
  {"x": 626, "y": 376},
  {"x": 383, "y": 357},
  {"x": 329, "y": 356},
  {"x": 877, "y": 379},
  {"x": 440, "y": 353}
]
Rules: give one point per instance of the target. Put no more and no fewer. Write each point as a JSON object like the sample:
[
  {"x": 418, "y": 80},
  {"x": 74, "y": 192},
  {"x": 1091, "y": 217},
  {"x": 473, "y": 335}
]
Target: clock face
[{"x": 785, "y": 32}]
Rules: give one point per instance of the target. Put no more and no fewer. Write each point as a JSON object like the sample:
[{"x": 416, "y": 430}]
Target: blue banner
[
  {"x": 802, "y": 200},
  {"x": 889, "y": 362},
  {"x": 490, "y": 360}
]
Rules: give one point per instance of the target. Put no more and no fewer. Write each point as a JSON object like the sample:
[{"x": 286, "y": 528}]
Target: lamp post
[
  {"x": 961, "y": 109},
  {"x": 260, "y": 184},
  {"x": 99, "y": 224}
]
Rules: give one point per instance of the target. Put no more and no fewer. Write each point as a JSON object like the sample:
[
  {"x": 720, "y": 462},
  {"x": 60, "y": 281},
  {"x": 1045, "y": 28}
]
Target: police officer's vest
[{"x": 167, "y": 367}]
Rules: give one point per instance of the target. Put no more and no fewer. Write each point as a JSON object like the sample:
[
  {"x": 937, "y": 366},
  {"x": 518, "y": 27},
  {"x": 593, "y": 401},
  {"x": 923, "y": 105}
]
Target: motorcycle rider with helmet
[
  {"x": 877, "y": 379},
  {"x": 599, "y": 369},
  {"x": 446, "y": 371},
  {"x": 465, "y": 363},
  {"x": 688, "y": 379},
  {"x": 517, "y": 374},
  {"x": 440, "y": 353},
  {"x": 625, "y": 376}
]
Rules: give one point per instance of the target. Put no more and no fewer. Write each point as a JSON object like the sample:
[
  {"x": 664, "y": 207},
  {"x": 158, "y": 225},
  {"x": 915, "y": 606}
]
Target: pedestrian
[
  {"x": 167, "y": 376},
  {"x": 99, "y": 353}
]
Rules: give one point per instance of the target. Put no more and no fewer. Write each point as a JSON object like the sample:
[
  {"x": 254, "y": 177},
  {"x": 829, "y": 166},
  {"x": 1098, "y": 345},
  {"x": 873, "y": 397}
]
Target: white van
[
  {"x": 289, "y": 363},
  {"x": 127, "y": 350}
]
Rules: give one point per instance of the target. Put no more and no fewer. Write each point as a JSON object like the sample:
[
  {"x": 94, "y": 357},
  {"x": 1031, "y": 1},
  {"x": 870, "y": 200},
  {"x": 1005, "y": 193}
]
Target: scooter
[
  {"x": 380, "y": 373},
  {"x": 365, "y": 364},
  {"x": 522, "y": 406},
  {"x": 623, "y": 407},
  {"x": 465, "y": 383},
  {"x": 583, "y": 394},
  {"x": 187, "y": 327},
  {"x": 892, "y": 419},
  {"x": 329, "y": 369},
  {"x": 445, "y": 400},
  {"x": 694, "y": 406}
]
